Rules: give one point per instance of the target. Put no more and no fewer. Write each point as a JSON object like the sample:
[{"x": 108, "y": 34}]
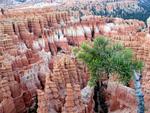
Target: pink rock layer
[{"x": 31, "y": 61}]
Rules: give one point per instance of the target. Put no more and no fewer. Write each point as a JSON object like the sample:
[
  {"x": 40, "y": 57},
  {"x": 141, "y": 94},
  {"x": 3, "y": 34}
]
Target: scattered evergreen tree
[{"x": 105, "y": 58}]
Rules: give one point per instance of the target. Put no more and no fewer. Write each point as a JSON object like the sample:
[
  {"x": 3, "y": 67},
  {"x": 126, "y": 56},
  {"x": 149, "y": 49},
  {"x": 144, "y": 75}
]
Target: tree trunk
[
  {"x": 138, "y": 91},
  {"x": 99, "y": 98}
]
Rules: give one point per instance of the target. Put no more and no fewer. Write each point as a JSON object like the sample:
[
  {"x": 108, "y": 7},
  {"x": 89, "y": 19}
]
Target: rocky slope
[
  {"x": 14, "y": 3},
  {"x": 127, "y": 9}
]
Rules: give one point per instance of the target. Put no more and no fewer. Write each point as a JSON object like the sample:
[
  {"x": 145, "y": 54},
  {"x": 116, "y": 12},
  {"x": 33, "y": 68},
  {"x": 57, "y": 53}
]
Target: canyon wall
[{"x": 36, "y": 59}]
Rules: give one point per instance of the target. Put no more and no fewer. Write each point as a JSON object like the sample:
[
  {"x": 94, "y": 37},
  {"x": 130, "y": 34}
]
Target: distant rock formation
[{"x": 127, "y": 9}]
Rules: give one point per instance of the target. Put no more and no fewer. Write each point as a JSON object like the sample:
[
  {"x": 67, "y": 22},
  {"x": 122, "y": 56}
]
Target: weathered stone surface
[
  {"x": 36, "y": 59},
  {"x": 121, "y": 97}
]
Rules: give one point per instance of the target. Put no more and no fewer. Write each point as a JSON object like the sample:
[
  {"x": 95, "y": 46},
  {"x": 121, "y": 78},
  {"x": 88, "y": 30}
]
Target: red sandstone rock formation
[
  {"x": 121, "y": 97},
  {"x": 42, "y": 102},
  {"x": 69, "y": 101},
  {"x": 6, "y": 99},
  {"x": 58, "y": 86},
  {"x": 29, "y": 59}
]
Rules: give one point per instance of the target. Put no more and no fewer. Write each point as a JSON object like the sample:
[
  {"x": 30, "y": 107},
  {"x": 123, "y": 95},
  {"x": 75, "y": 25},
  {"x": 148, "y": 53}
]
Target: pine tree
[{"x": 105, "y": 58}]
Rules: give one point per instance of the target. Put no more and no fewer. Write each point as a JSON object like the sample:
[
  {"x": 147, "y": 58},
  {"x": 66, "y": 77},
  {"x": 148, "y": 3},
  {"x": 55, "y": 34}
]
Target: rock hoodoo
[{"x": 36, "y": 60}]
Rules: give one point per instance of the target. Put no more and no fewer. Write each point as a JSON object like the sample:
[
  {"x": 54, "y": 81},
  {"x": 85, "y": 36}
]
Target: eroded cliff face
[
  {"x": 36, "y": 59},
  {"x": 62, "y": 92},
  {"x": 30, "y": 61}
]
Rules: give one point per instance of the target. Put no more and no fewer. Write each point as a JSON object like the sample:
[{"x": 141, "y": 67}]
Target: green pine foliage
[{"x": 102, "y": 56}]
